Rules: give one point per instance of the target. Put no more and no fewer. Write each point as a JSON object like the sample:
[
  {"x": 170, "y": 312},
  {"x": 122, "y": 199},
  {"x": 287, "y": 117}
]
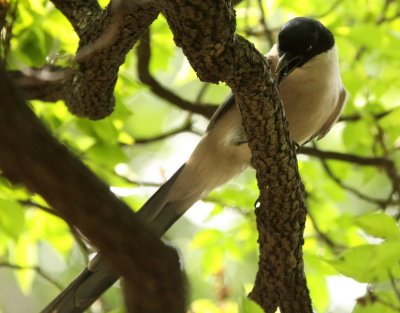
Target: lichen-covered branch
[
  {"x": 205, "y": 31},
  {"x": 106, "y": 36},
  {"x": 102, "y": 49},
  {"x": 79, "y": 12},
  {"x": 31, "y": 156}
]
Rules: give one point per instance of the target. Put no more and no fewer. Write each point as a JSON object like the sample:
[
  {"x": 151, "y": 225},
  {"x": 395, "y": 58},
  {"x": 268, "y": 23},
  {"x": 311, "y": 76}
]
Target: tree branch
[
  {"x": 107, "y": 41},
  {"x": 263, "y": 22},
  {"x": 80, "y": 13},
  {"x": 324, "y": 237},
  {"x": 380, "y": 162},
  {"x": 144, "y": 56},
  {"x": 346, "y": 157},
  {"x": 31, "y": 156},
  {"x": 205, "y": 31},
  {"x": 357, "y": 117},
  {"x": 105, "y": 38},
  {"x": 38, "y": 271},
  {"x": 186, "y": 127}
]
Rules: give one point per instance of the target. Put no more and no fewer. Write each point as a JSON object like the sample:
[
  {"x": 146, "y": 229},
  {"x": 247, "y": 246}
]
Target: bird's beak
[{"x": 287, "y": 64}]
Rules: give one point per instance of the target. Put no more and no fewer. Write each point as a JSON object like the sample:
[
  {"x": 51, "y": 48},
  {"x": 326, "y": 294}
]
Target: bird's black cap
[{"x": 301, "y": 39}]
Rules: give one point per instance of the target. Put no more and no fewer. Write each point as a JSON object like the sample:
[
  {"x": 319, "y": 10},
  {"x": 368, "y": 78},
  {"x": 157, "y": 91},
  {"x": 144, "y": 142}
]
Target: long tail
[
  {"x": 212, "y": 163},
  {"x": 98, "y": 276}
]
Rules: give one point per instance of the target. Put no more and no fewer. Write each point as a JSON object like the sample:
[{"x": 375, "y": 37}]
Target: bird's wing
[
  {"x": 334, "y": 116},
  {"x": 228, "y": 104},
  {"x": 158, "y": 200},
  {"x": 273, "y": 58}
]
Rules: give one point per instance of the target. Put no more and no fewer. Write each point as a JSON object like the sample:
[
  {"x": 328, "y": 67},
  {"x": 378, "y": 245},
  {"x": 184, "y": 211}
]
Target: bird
[{"x": 306, "y": 66}]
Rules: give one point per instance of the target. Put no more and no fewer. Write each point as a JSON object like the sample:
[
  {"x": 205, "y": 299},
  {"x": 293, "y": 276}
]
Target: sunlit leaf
[
  {"x": 379, "y": 225},
  {"x": 369, "y": 263},
  {"x": 248, "y": 306},
  {"x": 25, "y": 256},
  {"x": 12, "y": 218}
]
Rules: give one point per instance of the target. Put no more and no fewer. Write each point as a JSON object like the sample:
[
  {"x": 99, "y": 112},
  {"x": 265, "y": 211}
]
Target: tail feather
[
  {"x": 168, "y": 216},
  {"x": 158, "y": 200},
  {"x": 85, "y": 289}
]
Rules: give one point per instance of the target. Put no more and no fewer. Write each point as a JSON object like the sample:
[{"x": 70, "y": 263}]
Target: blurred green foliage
[{"x": 350, "y": 231}]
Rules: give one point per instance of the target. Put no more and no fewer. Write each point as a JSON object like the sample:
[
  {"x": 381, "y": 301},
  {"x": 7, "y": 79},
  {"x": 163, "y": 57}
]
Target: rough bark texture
[
  {"x": 106, "y": 36},
  {"x": 90, "y": 92},
  {"x": 31, "y": 156},
  {"x": 80, "y": 13},
  {"x": 205, "y": 31}
]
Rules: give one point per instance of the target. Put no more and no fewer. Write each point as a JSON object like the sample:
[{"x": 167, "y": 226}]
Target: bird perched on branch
[{"x": 305, "y": 62}]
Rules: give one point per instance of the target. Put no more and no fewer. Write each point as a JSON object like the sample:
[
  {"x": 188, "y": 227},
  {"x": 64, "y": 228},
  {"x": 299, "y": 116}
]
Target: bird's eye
[{"x": 309, "y": 47}]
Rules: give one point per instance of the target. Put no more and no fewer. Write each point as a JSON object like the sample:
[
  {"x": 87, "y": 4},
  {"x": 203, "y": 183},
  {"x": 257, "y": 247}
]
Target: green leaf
[
  {"x": 12, "y": 218},
  {"x": 319, "y": 291},
  {"x": 25, "y": 256},
  {"x": 379, "y": 224},
  {"x": 106, "y": 154},
  {"x": 369, "y": 263},
  {"x": 207, "y": 238},
  {"x": 248, "y": 306}
]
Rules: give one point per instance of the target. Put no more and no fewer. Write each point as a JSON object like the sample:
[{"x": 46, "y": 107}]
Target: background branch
[
  {"x": 38, "y": 271},
  {"x": 144, "y": 56}
]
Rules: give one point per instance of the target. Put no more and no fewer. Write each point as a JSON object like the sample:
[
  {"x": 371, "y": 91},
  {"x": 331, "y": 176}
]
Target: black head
[{"x": 299, "y": 40}]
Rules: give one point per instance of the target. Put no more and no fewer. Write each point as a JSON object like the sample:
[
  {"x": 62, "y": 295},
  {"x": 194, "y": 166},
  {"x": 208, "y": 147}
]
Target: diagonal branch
[
  {"x": 346, "y": 157},
  {"x": 31, "y": 156},
  {"x": 38, "y": 271}
]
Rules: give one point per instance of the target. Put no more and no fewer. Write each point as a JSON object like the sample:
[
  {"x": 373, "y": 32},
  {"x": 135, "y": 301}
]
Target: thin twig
[
  {"x": 263, "y": 23},
  {"x": 383, "y": 203},
  {"x": 37, "y": 269},
  {"x": 202, "y": 92},
  {"x": 394, "y": 285},
  {"x": 381, "y": 19},
  {"x": 329, "y": 10},
  {"x": 144, "y": 58},
  {"x": 186, "y": 127},
  {"x": 357, "y": 117},
  {"x": 345, "y": 157},
  {"x": 77, "y": 236},
  {"x": 324, "y": 237},
  {"x": 44, "y": 208}
]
